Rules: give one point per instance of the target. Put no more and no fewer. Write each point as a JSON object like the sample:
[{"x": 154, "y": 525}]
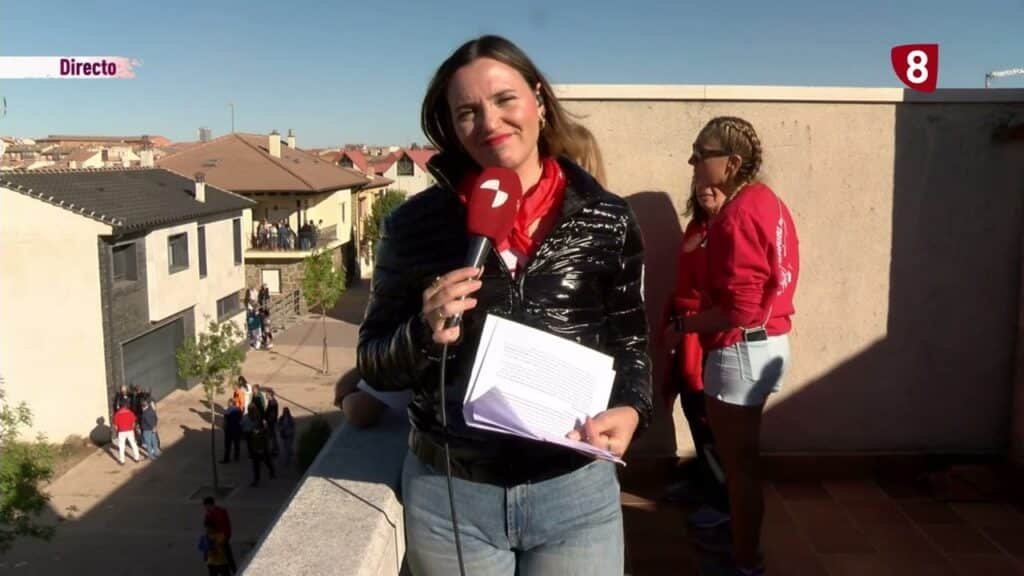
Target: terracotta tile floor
[{"x": 906, "y": 516}]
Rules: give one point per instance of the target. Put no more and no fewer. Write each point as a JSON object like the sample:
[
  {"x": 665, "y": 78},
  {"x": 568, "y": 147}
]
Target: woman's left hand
[{"x": 611, "y": 430}]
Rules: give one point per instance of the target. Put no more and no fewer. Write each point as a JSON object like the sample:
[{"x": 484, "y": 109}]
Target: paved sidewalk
[{"x": 140, "y": 518}]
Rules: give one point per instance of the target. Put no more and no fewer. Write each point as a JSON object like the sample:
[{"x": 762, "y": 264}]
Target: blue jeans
[
  {"x": 149, "y": 443},
  {"x": 567, "y": 525}
]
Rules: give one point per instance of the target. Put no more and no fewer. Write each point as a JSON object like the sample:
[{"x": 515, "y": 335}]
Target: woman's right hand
[{"x": 446, "y": 297}]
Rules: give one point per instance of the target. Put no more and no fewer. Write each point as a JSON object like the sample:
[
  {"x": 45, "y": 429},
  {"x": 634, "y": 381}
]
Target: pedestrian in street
[
  {"x": 124, "y": 422},
  {"x": 257, "y": 445},
  {"x": 263, "y": 298},
  {"x": 258, "y": 401},
  {"x": 270, "y": 417},
  {"x": 286, "y": 426},
  {"x": 148, "y": 424},
  {"x": 120, "y": 398},
  {"x": 268, "y": 331},
  {"x": 214, "y": 556},
  {"x": 252, "y": 321},
  {"x": 221, "y": 521},
  {"x": 246, "y": 394},
  {"x": 135, "y": 397},
  {"x": 232, "y": 430},
  {"x": 238, "y": 395}
]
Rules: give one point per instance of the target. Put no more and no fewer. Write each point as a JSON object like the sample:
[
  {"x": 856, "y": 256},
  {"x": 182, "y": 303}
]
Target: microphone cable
[{"x": 448, "y": 461}]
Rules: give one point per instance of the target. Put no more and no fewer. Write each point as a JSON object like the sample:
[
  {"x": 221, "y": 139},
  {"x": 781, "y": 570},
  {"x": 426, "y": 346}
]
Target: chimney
[
  {"x": 274, "y": 144},
  {"x": 291, "y": 139},
  {"x": 200, "y": 179},
  {"x": 146, "y": 154}
]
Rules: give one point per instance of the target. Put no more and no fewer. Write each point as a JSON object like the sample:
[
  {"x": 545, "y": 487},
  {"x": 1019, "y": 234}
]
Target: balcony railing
[{"x": 295, "y": 241}]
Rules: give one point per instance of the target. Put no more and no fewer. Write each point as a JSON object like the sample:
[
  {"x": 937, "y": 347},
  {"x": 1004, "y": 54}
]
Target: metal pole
[{"x": 232, "y": 105}]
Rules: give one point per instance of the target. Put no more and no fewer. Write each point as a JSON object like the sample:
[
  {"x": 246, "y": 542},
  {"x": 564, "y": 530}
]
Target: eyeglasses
[{"x": 700, "y": 155}]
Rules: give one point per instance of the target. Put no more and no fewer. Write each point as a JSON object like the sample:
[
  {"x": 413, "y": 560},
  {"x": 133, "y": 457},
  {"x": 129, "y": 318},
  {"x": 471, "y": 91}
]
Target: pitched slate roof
[
  {"x": 126, "y": 198},
  {"x": 242, "y": 163}
]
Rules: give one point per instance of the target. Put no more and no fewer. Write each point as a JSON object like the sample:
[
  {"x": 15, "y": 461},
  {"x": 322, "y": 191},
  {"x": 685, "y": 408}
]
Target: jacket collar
[{"x": 581, "y": 188}]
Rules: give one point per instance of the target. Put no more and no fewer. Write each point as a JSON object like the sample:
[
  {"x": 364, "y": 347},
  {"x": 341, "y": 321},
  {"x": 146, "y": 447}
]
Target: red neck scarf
[{"x": 541, "y": 203}]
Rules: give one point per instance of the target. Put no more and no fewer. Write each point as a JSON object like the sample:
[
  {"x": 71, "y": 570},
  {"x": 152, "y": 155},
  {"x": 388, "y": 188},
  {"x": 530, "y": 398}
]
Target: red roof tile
[{"x": 242, "y": 163}]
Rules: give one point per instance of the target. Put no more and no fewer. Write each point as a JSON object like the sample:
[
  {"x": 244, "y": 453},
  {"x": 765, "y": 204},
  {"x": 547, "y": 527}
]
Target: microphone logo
[{"x": 499, "y": 196}]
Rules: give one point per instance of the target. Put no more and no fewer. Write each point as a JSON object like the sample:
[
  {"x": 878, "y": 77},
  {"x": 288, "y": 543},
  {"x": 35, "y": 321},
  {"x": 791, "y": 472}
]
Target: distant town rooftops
[{"x": 155, "y": 140}]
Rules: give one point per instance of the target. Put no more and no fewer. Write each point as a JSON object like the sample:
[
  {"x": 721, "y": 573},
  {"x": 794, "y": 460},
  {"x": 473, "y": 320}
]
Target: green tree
[
  {"x": 212, "y": 359},
  {"x": 322, "y": 285},
  {"x": 380, "y": 209},
  {"x": 24, "y": 466}
]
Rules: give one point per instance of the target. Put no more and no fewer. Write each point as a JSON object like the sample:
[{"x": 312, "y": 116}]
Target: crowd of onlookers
[
  {"x": 254, "y": 416},
  {"x": 135, "y": 419},
  {"x": 280, "y": 235},
  {"x": 259, "y": 330}
]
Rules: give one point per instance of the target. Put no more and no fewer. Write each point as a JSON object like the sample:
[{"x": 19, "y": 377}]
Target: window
[
  {"x": 404, "y": 166},
  {"x": 229, "y": 306},
  {"x": 202, "y": 251},
  {"x": 237, "y": 229},
  {"x": 272, "y": 278},
  {"x": 177, "y": 252},
  {"x": 343, "y": 219},
  {"x": 124, "y": 263},
  {"x": 345, "y": 162}
]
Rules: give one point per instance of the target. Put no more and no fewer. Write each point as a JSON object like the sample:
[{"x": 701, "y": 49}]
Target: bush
[
  {"x": 312, "y": 440},
  {"x": 24, "y": 467}
]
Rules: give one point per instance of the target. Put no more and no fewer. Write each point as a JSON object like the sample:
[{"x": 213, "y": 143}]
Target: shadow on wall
[
  {"x": 662, "y": 234},
  {"x": 940, "y": 378}
]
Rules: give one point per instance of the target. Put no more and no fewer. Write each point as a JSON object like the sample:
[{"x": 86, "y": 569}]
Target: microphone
[{"x": 490, "y": 214}]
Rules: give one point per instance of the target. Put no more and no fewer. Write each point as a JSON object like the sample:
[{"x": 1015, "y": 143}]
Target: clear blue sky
[{"x": 355, "y": 71}]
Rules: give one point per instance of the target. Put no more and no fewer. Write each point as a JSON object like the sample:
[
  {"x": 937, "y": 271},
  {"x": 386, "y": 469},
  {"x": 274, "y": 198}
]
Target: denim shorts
[{"x": 745, "y": 373}]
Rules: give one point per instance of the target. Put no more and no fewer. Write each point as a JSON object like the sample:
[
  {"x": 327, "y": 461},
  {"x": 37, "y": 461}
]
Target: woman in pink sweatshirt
[{"x": 752, "y": 268}]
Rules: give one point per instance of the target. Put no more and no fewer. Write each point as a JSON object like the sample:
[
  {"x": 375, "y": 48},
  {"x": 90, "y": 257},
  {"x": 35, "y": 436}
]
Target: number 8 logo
[
  {"x": 917, "y": 71},
  {"x": 917, "y": 65}
]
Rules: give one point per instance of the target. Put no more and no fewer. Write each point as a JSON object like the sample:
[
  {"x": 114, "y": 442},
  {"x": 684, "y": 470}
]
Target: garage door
[{"x": 149, "y": 359}]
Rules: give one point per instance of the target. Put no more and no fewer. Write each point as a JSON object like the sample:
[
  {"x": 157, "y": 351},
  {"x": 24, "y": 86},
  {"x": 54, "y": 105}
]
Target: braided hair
[{"x": 737, "y": 136}]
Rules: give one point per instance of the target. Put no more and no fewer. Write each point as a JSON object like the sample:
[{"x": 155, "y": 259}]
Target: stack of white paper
[{"x": 533, "y": 384}]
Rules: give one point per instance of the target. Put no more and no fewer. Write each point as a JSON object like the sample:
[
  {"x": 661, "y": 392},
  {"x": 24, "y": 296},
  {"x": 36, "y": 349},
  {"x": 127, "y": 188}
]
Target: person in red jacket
[
  {"x": 686, "y": 379},
  {"x": 124, "y": 422},
  {"x": 221, "y": 522},
  {"x": 752, "y": 269}
]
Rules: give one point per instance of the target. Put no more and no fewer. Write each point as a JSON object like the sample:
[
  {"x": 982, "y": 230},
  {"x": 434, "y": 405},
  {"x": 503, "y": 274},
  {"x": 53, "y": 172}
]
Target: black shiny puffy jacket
[{"x": 585, "y": 283}]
